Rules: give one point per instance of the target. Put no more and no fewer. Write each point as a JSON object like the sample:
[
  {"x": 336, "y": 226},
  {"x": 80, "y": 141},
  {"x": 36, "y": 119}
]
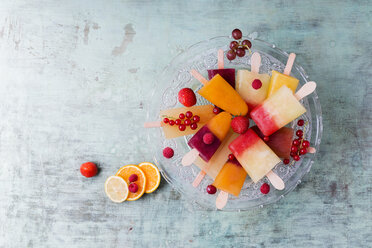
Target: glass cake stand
[{"x": 203, "y": 56}]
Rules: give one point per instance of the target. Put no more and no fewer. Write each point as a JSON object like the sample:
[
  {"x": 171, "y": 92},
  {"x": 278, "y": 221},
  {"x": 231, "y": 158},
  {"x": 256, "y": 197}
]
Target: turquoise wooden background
[{"x": 75, "y": 76}]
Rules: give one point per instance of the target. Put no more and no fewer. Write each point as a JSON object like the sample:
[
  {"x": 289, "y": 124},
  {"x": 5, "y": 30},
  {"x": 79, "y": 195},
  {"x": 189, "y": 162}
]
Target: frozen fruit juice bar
[
  {"x": 217, "y": 129},
  {"x": 205, "y": 112},
  {"x": 220, "y": 93},
  {"x": 277, "y": 111},
  {"x": 246, "y": 87},
  {"x": 280, "y": 141},
  {"x": 279, "y": 79},
  {"x": 231, "y": 178},
  {"x": 227, "y": 74},
  {"x": 215, "y": 164},
  {"x": 254, "y": 155}
]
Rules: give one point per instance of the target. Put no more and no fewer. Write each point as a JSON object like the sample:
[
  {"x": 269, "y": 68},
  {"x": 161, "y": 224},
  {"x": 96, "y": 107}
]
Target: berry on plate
[
  {"x": 88, "y": 169},
  {"x": 186, "y": 97},
  {"x": 168, "y": 152}
]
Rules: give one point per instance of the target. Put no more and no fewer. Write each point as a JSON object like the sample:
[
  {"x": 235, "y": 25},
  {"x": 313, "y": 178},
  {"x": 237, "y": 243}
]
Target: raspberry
[
  {"x": 240, "y": 124},
  {"x": 186, "y": 97},
  {"x": 208, "y": 138},
  {"x": 265, "y": 188},
  {"x": 132, "y": 178},
  {"x": 168, "y": 152},
  {"x": 133, "y": 187}
]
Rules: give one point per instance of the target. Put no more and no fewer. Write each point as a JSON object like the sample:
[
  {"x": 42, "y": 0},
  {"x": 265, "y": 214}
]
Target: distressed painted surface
[{"x": 75, "y": 77}]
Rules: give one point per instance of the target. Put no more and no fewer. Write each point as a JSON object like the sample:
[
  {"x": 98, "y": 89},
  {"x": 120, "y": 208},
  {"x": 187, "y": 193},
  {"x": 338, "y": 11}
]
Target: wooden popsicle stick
[
  {"x": 311, "y": 150},
  {"x": 220, "y": 59},
  {"x": 190, "y": 157},
  {"x": 275, "y": 180},
  {"x": 221, "y": 199},
  {"x": 152, "y": 124},
  {"x": 288, "y": 66},
  {"x": 198, "y": 179},
  {"x": 305, "y": 90},
  {"x": 255, "y": 62},
  {"x": 198, "y": 76}
]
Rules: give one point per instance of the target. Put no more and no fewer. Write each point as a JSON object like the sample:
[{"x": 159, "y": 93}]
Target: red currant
[
  {"x": 216, "y": 110},
  {"x": 300, "y": 122},
  {"x": 295, "y": 142},
  {"x": 266, "y": 138},
  {"x": 286, "y": 161},
  {"x": 182, "y": 116},
  {"x": 303, "y": 151},
  {"x": 265, "y": 188},
  {"x": 231, "y": 55},
  {"x": 294, "y": 149},
  {"x": 182, "y": 127},
  {"x": 211, "y": 189},
  {"x": 177, "y": 122},
  {"x": 299, "y": 133},
  {"x": 296, "y": 157},
  {"x": 237, "y": 34},
  {"x": 188, "y": 114},
  {"x": 305, "y": 144},
  {"x": 240, "y": 52},
  {"x": 165, "y": 120},
  {"x": 231, "y": 157},
  {"x": 196, "y": 118},
  {"x": 233, "y": 44},
  {"x": 171, "y": 122},
  {"x": 293, "y": 154},
  {"x": 246, "y": 43},
  {"x": 187, "y": 122},
  {"x": 194, "y": 126}
]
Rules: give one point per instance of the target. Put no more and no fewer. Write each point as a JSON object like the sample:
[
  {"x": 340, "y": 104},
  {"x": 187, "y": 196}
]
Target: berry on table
[
  {"x": 168, "y": 152},
  {"x": 171, "y": 122},
  {"x": 240, "y": 52},
  {"x": 286, "y": 161},
  {"x": 133, "y": 187},
  {"x": 165, "y": 120},
  {"x": 208, "y": 138},
  {"x": 188, "y": 114},
  {"x": 300, "y": 122},
  {"x": 132, "y": 178},
  {"x": 240, "y": 124},
  {"x": 265, "y": 188},
  {"x": 182, "y": 127},
  {"x": 230, "y": 55},
  {"x": 88, "y": 169},
  {"x": 256, "y": 84},
  {"x": 186, "y": 97},
  {"x": 211, "y": 189},
  {"x": 237, "y": 34},
  {"x": 193, "y": 126},
  {"x": 182, "y": 116}
]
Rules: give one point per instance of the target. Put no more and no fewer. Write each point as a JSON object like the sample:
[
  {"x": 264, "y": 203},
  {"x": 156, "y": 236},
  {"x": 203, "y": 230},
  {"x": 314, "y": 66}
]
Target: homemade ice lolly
[
  {"x": 215, "y": 164},
  {"x": 280, "y": 142},
  {"x": 231, "y": 178},
  {"x": 279, "y": 79},
  {"x": 205, "y": 112},
  {"x": 251, "y": 85},
  {"x": 254, "y": 155},
  {"x": 220, "y": 93},
  {"x": 207, "y": 140},
  {"x": 227, "y": 74},
  {"x": 277, "y": 111}
]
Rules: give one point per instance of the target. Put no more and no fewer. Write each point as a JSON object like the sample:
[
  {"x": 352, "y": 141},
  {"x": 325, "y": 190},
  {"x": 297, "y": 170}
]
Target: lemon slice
[{"x": 116, "y": 189}]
